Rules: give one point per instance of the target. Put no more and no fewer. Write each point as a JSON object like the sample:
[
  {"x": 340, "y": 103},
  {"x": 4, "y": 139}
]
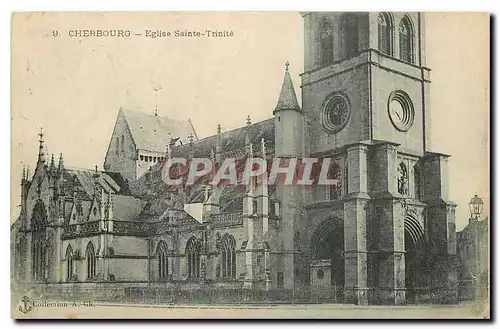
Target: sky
[{"x": 74, "y": 87}]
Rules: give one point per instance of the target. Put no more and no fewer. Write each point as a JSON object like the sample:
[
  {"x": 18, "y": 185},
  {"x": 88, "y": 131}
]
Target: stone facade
[{"x": 384, "y": 235}]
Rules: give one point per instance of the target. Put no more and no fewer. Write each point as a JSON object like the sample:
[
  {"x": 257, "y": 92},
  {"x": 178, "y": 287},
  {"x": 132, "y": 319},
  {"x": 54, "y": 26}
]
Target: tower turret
[{"x": 288, "y": 120}]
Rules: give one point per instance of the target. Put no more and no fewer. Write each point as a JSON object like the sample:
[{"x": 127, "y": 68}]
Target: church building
[{"x": 384, "y": 235}]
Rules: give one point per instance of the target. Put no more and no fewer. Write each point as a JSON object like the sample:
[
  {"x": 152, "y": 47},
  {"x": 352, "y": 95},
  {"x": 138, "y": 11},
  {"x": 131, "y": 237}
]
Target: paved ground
[{"x": 318, "y": 311}]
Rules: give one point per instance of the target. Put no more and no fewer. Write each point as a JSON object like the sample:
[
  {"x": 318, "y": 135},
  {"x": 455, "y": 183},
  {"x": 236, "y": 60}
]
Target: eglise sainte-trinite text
[{"x": 153, "y": 33}]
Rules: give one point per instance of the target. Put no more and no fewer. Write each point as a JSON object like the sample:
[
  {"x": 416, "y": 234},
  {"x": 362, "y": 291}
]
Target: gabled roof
[{"x": 153, "y": 133}]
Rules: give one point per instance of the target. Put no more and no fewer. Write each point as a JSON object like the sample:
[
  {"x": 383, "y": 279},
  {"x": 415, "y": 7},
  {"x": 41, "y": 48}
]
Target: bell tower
[
  {"x": 365, "y": 93},
  {"x": 365, "y": 79}
]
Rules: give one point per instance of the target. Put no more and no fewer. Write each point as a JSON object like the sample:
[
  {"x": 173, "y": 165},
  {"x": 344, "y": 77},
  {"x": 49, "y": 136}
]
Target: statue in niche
[{"x": 402, "y": 179}]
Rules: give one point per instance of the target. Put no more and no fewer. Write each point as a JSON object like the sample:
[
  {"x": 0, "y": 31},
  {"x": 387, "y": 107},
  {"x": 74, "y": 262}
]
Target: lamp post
[{"x": 476, "y": 207}]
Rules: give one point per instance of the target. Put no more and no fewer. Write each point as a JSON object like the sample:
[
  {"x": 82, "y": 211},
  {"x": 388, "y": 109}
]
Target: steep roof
[
  {"x": 287, "y": 99},
  {"x": 152, "y": 188},
  {"x": 85, "y": 179},
  {"x": 230, "y": 140},
  {"x": 153, "y": 133}
]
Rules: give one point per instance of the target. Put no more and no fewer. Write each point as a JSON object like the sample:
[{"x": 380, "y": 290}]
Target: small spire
[
  {"x": 52, "y": 167},
  {"x": 96, "y": 173},
  {"x": 41, "y": 151},
  {"x": 212, "y": 153},
  {"x": 41, "y": 134},
  {"x": 24, "y": 173},
  {"x": 61, "y": 161},
  {"x": 249, "y": 121},
  {"x": 287, "y": 99},
  {"x": 218, "y": 129}
]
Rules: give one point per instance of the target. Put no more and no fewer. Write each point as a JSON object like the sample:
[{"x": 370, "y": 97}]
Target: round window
[
  {"x": 336, "y": 113},
  {"x": 320, "y": 274},
  {"x": 401, "y": 110}
]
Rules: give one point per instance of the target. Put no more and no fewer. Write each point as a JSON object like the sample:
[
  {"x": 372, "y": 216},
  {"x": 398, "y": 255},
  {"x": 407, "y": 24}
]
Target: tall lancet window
[
  {"x": 39, "y": 246},
  {"x": 406, "y": 40},
  {"x": 228, "y": 257},
  {"x": 91, "y": 261},
  {"x": 162, "y": 258},
  {"x": 123, "y": 144},
  {"x": 326, "y": 43},
  {"x": 385, "y": 33},
  {"x": 334, "y": 191},
  {"x": 193, "y": 258},
  {"x": 69, "y": 263}
]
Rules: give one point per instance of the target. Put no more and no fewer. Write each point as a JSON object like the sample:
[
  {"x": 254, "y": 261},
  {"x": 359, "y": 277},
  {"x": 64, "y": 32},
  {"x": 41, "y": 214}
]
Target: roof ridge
[
  {"x": 232, "y": 130},
  {"x": 159, "y": 117}
]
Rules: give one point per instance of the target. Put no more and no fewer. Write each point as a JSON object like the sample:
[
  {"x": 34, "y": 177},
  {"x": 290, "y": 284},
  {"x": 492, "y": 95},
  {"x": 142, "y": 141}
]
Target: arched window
[
  {"x": 69, "y": 263},
  {"x": 161, "y": 255},
  {"x": 417, "y": 183},
  {"x": 406, "y": 40},
  {"x": 193, "y": 258},
  {"x": 91, "y": 261},
  {"x": 349, "y": 33},
  {"x": 326, "y": 43},
  {"x": 117, "y": 148},
  {"x": 402, "y": 179},
  {"x": 334, "y": 191},
  {"x": 385, "y": 33},
  {"x": 38, "y": 247},
  {"x": 38, "y": 264},
  {"x": 228, "y": 257}
]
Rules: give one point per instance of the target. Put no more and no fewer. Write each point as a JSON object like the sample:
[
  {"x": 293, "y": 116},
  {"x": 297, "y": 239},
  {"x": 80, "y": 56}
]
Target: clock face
[
  {"x": 336, "y": 112},
  {"x": 401, "y": 111}
]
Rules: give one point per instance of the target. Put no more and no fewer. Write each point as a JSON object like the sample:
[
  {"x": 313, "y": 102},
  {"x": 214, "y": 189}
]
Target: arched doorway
[
  {"x": 327, "y": 256},
  {"x": 415, "y": 256}
]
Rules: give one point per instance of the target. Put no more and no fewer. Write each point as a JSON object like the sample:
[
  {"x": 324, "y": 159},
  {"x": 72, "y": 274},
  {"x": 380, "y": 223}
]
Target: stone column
[
  {"x": 248, "y": 252},
  {"x": 58, "y": 268},
  {"x": 441, "y": 229},
  {"x": 389, "y": 287},
  {"x": 355, "y": 230},
  {"x": 176, "y": 259},
  {"x": 28, "y": 261},
  {"x": 387, "y": 272}
]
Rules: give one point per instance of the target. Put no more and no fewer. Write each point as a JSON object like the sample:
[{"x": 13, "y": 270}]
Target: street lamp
[{"x": 476, "y": 206}]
